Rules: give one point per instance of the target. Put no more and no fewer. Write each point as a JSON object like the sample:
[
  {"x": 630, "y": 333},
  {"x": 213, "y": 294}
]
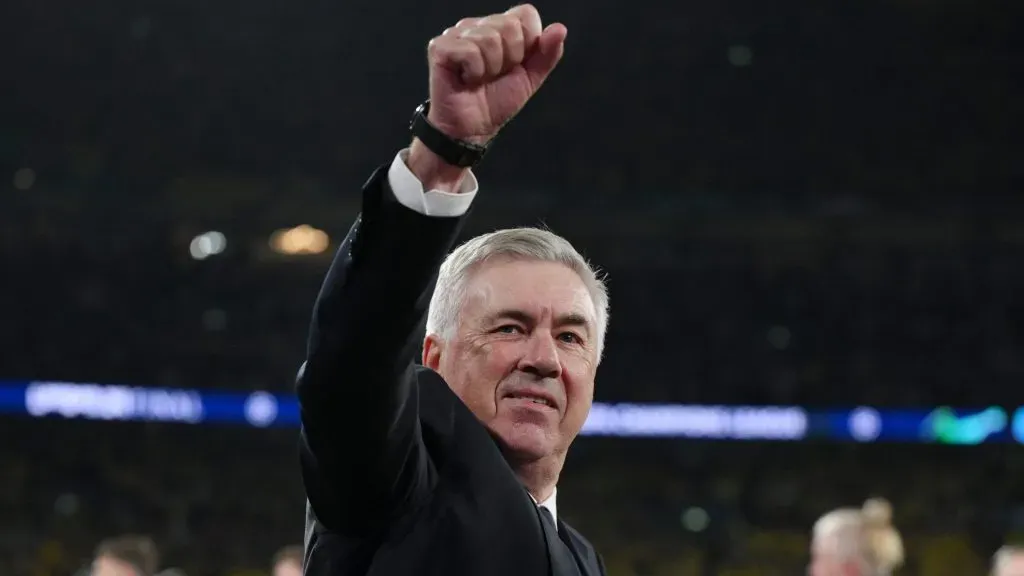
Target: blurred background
[{"x": 813, "y": 206}]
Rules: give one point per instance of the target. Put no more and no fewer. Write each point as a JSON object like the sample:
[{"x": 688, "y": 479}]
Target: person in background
[
  {"x": 128, "y": 555},
  {"x": 287, "y": 561},
  {"x": 856, "y": 542},
  {"x": 1008, "y": 561}
]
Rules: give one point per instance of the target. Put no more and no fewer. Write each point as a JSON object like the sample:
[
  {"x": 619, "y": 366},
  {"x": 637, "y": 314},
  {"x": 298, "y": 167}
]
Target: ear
[{"x": 433, "y": 346}]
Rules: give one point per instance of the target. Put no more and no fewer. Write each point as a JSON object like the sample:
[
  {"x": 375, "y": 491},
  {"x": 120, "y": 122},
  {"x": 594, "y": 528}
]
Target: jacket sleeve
[{"x": 363, "y": 459}]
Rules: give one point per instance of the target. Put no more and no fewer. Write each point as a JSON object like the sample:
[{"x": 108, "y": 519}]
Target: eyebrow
[{"x": 571, "y": 319}]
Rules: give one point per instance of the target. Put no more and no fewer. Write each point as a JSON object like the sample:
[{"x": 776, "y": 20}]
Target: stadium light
[
  {"x": 207, "y": 244},
  {"x": 303, "y": 239}
]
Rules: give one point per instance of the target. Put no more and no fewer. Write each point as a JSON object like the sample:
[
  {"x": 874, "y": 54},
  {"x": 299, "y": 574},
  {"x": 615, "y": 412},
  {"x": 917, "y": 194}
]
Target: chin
[{"x": 524, "y": 440}]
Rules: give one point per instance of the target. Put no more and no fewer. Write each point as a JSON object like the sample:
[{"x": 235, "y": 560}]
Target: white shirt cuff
[{"x": 409, "y": 192}]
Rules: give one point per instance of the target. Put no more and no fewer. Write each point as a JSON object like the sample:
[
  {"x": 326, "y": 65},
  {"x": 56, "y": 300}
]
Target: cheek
[
  {"x": 480, "y": 369},
  {"x": 579, "y": 375},
  {"x": 495, "y": 358},
  {"x": 579, "y": 391}
]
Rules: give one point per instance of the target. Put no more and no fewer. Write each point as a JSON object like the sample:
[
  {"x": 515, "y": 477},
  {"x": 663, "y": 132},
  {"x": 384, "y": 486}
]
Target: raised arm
[{"x": 362, "y": 458}]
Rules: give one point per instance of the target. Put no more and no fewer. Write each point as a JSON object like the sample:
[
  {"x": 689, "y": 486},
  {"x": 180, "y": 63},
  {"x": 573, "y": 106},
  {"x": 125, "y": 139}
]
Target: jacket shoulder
[{"x": 439, "y": 411}]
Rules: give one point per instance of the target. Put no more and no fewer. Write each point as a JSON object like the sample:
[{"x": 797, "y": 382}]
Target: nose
[{"x": 541, "y": 357}]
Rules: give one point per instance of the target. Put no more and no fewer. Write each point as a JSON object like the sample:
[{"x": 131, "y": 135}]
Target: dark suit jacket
[{"x": 401, "y": 478}]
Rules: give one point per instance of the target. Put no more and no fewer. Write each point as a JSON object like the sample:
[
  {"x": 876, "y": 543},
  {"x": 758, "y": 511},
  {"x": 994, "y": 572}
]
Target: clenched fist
[{"x": 483, "y": 70}]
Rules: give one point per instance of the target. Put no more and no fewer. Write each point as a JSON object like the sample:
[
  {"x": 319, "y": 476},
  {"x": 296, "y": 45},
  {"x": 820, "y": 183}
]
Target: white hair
[
  {"x": 865, "y": 534},
  {"x": 516, "y": 243},
  {"x": 1003, "y": 557}
]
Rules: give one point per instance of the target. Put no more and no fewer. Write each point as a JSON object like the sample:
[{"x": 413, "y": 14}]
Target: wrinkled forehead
[{"x": 541, "y": 289}]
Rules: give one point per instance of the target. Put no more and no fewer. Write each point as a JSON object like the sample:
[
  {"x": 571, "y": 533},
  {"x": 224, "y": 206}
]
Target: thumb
[{"x": 549, "y": 50}]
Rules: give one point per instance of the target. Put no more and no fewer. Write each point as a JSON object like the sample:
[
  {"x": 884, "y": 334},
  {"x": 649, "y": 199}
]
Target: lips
[{"x": 539, "y": 397}]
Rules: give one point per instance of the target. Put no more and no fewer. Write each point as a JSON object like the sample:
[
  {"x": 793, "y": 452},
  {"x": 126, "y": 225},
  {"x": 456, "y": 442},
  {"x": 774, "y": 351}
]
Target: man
[
  {"x": 1008, "y": 561},
  {"x": 856, "y": 542},
  {"x": 438, "y": 470},
  {"x": 126, "y": 556},
  {"x": 287, "y": 562}
]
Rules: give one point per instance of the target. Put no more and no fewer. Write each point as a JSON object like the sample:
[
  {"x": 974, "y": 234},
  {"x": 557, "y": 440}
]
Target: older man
[{"x": 450, "y": 468}]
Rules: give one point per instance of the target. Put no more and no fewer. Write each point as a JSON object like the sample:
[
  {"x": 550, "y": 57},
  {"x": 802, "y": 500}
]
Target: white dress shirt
[
  {"x": 550, "y": 505},
  {"x": 410, "y": 193}
]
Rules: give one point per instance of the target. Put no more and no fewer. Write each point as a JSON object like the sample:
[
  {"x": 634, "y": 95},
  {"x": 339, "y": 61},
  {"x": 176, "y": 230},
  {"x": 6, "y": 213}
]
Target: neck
[{"x": 539, "y": 476}]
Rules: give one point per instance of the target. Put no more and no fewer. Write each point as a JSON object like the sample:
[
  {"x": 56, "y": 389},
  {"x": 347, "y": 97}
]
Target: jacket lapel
[{"x": 563, "y": 561}]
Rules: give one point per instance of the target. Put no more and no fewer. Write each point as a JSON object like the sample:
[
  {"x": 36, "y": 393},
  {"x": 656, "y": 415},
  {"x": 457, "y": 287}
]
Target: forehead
[
  {"x": 537, "y": 288},
  {"x": 108, "y": 566}
]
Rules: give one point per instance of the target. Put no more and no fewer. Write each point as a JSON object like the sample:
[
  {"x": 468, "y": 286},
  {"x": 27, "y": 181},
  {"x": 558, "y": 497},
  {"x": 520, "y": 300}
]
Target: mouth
[{"x": 534, "y": 397}]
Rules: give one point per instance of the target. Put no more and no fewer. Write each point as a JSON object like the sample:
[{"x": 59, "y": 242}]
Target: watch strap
[{"x": 453, "y": 151}]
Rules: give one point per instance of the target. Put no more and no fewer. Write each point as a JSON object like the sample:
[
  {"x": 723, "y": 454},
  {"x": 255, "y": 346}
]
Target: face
[
  {"x": 1012, "y": 565},
  {"x": 287, "y": 568},
  {"x": 524, "y": 356},
  {"x": 108, "y": 566}
]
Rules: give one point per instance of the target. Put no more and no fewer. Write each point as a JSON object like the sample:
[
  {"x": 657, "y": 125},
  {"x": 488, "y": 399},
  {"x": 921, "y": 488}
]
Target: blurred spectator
[
  {"x": 1008, "y": 561},
  {"x": 288, "y": 561},
  {"x": 126, "y": 556}
]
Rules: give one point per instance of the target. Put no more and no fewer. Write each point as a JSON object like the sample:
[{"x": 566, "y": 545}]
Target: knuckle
[
  {"x": 507, "y": 26},
  {"x": 490, "y": 38},
  {"x": 440, "y": 47},
  {"x": 482, "y": 36},
  {"x": 527, "y": 10},
  {"x": 493, "y": 21}
]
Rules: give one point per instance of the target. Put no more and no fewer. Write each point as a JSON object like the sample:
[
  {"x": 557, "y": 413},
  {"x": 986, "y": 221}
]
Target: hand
[{"x": 484, "y": 70}]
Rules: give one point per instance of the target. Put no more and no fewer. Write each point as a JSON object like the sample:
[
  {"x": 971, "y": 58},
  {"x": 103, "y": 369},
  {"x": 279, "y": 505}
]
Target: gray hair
[
  {"x": 1003, "y": 556},
  {"x": 865, "y": 534},
  {"x": 517, "y": 243}
]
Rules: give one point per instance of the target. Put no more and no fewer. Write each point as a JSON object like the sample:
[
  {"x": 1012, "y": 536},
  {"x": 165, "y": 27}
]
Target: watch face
[{"x": 422, "y": 110}]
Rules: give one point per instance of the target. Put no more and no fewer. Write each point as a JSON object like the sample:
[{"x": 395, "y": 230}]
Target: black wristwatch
[{"x": 453, "y": 151}]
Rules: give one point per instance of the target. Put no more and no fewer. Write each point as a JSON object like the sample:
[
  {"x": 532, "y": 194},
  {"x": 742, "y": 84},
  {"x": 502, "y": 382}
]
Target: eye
[
  {"x": 508, "y": 329},
  {"x": 570, "y": 338}
]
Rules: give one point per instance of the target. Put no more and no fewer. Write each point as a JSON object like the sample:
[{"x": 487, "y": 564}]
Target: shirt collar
[{"x": 550, "y": 504}]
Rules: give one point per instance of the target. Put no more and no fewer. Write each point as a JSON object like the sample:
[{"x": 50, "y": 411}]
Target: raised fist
[{"x": 483, "y": 70}]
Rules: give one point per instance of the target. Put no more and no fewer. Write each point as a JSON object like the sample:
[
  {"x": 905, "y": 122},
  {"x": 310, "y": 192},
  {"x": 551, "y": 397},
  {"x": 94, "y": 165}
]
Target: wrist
[{"x": 433, "y": 171}]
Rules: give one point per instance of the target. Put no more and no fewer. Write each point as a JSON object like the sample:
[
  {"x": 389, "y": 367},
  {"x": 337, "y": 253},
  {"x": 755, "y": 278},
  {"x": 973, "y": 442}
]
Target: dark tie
[
  {"x": 548, "y": 518},
  {"x": 563, "y": 560}
]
